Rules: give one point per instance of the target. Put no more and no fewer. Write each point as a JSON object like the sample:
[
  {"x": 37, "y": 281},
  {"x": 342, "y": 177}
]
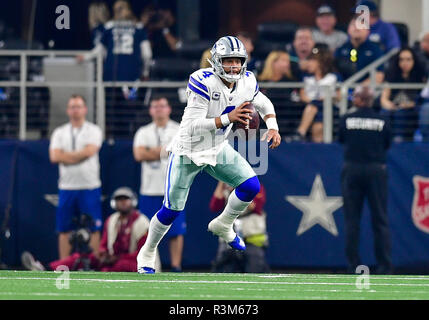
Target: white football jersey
[{"x": 208, "y": 98}]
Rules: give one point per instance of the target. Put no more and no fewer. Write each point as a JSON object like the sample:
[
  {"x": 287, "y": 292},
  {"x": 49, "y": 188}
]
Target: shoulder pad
[
  {"x": 205, "y": 75},
  {"x": 251, "y": 82},
  {"x": 200, "y": 82}
]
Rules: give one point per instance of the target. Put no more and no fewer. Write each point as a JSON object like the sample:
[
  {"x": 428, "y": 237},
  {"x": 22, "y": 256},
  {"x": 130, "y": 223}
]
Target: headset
[{"x": 126, "y": 192}]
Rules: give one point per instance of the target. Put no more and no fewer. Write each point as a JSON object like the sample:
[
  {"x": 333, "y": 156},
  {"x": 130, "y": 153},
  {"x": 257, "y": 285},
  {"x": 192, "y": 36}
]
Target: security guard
[{"x": 366, "y": 137}]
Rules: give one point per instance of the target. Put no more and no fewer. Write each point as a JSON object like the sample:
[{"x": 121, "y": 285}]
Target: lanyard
[
  {"x": 74, "y": 136},
  {"x": 156, "y": 164}
]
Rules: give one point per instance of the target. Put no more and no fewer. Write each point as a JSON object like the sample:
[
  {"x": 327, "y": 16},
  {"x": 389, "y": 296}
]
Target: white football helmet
[{"x": 227, "y": 47}]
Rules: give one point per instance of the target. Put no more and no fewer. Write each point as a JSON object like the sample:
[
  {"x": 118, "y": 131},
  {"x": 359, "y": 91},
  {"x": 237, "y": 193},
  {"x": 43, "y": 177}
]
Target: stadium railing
[{"x": 17, "y": 79}]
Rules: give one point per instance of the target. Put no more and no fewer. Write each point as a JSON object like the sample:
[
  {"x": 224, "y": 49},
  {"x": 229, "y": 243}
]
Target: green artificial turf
[{"x": 207, "y": 286}]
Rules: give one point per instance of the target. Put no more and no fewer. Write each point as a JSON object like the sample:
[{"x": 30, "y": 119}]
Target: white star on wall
[{"x": 317, "y": 208}]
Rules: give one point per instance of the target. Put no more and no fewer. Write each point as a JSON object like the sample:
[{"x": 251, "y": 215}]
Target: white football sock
[
  {"x": 233, "y": 209},
  {"x": 147, "y": 254}
]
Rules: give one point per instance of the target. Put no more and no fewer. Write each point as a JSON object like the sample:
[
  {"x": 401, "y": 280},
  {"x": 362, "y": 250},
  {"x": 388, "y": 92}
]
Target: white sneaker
[{"x": 30, "y": 263}]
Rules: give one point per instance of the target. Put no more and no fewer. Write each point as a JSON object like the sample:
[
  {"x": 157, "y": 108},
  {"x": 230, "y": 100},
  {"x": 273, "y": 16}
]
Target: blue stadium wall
[{"x": 30, "y": 181}]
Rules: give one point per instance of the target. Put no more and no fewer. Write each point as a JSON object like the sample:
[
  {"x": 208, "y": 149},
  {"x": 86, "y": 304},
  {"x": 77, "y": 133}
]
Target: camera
[{"x": 80, "y": 237}]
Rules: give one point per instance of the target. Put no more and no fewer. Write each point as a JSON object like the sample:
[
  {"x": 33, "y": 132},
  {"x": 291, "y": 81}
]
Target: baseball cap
[
  {"x": 371, "y": 5},
  {"x": 325, "y": 9}
]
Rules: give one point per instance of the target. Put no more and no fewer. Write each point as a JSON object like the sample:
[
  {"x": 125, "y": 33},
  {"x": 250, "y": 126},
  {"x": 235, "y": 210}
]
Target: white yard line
[{"x": 147, "y": 280}]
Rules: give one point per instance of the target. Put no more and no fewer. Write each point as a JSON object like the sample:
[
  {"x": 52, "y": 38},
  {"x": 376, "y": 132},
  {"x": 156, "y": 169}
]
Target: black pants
[
  {"x": 252, "y": 260},
  {"x": 360, "y": 182}
]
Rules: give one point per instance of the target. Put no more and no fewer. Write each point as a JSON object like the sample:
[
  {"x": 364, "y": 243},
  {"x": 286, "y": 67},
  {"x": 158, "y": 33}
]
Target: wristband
[
  {"x": 165, "y": 31},
  {"x": 272, "y": 124},
  {"x": 224, "y": 119}
]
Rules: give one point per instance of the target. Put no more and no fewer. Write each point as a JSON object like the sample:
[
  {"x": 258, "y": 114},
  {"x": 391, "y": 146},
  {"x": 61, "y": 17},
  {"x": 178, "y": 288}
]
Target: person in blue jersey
[
  {"x": 128, "y": 50},
  {"x": 381, "y": 32},
  {"x": 357, "y": 53},
  {"x": 217, "y": 98},
  {"x": 127, "y": 54}
]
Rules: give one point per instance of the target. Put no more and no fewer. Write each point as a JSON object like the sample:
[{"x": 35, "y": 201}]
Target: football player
[{"x": 217, "y": 97}]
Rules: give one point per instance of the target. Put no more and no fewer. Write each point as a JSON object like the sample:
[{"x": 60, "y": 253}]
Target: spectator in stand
[
  {"x": 161, "y": 26},
  {"x": 423, "y": 51},
  {"x": 128, "y": 54},
  {"x": 277, "y": 68},
  {"x": 325, "y": 31},
  {"x": 251, "y": 225},
  {"x": 247, "y": 41},
  {"x": 424, "y": 113},
  {"x": 402, "y": 105},
  {"x": 320, "y": 65},
  {"x": 74, "y": 147},
  {"x": 125, "y": 46},
  {"x": 124, "y": 233},
  {"x": 204, "y": 62},
  {"x": 98, "y": 15},
  {"x": 381, "y": 32},
  {"x": 300, "y": 49},
  {"x": 357, "y": 53}
]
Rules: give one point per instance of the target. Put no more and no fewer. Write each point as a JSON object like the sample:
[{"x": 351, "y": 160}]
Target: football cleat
[
  {"x": 237, "y": 244},
  {"x": 226, "y": 233},
  {"x": 146, "y": 270}
]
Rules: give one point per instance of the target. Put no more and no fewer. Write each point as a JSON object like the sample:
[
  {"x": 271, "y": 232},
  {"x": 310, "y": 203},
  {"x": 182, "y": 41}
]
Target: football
[{"x": 243, "y": 130}]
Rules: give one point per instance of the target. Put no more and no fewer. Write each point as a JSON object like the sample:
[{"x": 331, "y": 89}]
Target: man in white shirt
[
  {"x": 149, "y": 146},
  {"x": 217, "y": 97},
  {"x": 75, "y": 146}
]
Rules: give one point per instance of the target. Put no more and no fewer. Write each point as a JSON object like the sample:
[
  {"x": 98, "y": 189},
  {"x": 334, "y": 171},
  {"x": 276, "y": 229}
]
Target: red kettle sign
[{"x": 420, "y": 209}]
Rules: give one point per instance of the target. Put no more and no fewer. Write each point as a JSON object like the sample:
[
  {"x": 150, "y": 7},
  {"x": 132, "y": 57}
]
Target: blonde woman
[
  {"x": 98, "y": 15},
  {"x": 277, "y": 67},
  {"x": 204, "y": 63}
]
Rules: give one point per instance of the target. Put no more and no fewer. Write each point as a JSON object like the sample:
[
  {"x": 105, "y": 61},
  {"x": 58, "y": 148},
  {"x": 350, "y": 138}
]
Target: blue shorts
[
  {"x": 149, "y": 205},
  {"x": 319, "y": 115},
  {"x": 73, "y": 203}
]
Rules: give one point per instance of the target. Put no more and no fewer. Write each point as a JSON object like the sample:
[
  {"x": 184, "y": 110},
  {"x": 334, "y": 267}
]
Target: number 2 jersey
[{"x": 208, "y": 98}]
